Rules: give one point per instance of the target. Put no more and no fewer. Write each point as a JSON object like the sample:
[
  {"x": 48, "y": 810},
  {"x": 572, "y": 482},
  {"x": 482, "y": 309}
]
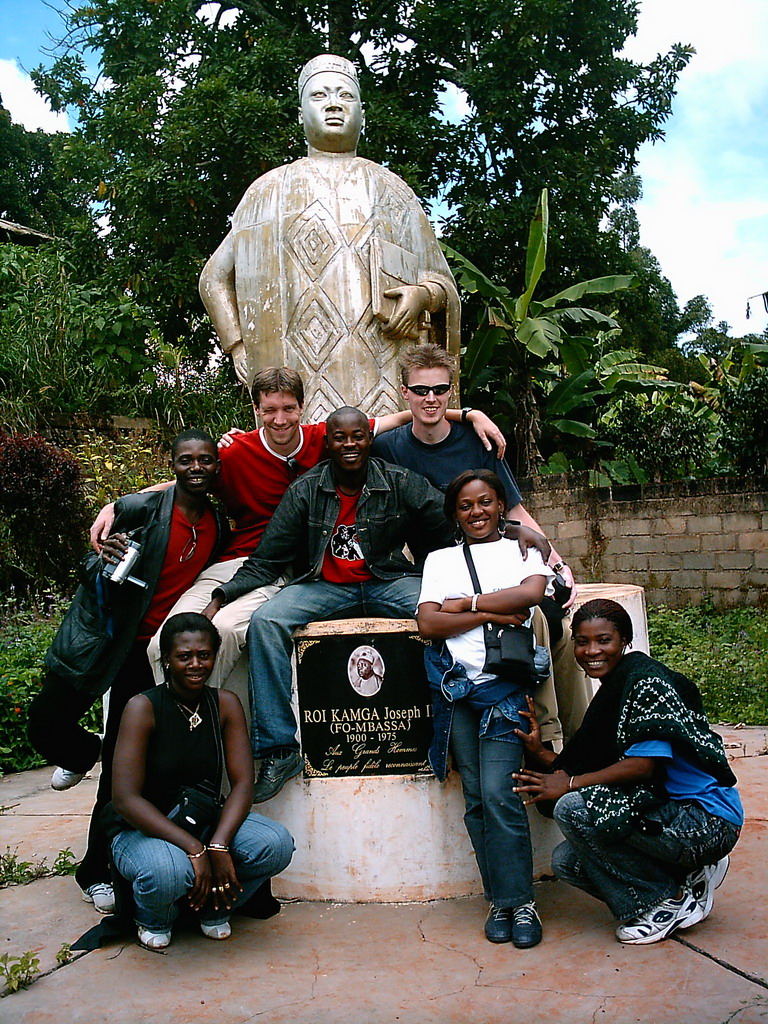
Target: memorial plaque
[{"x": 364, "y": 702}]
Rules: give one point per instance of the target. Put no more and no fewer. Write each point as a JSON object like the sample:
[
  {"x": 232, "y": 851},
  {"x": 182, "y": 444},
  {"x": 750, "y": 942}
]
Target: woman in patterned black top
[{"x": 644, "y": 794}]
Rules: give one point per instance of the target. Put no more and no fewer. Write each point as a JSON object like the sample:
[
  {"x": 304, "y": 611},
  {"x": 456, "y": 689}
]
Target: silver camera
[{"x": 120, "y": 572}]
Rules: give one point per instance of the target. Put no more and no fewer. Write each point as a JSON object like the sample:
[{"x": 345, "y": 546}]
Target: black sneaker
[
  {"x": 498, "y": 924},
  {"x": 274, "y": 773},
  {"x": 526, "y": 926}
]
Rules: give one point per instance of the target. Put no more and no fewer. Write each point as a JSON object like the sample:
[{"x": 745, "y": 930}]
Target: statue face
[{"x": 331, "y": 113}]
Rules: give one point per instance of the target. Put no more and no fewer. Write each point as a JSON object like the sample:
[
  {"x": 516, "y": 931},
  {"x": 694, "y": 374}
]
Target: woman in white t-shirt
[{"x": 478, "y": 713}]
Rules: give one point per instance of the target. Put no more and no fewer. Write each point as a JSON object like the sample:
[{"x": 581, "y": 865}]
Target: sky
[{"x": 704, "y": 211}]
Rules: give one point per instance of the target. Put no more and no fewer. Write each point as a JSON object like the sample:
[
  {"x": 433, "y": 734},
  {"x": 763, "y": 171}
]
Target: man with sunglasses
[
  {"x": 102, "y": 641},
  {"x": 440, "y": 449}
]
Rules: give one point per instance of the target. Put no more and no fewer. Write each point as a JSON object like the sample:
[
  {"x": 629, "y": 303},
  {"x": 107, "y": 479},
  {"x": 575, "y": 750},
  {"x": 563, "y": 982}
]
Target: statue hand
[
  {"x": 240, "y": 359},
  {"x": 411, "y": 300}
]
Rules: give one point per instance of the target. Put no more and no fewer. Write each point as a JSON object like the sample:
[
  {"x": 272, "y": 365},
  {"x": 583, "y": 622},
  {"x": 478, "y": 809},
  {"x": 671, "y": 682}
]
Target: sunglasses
[
  {"x": 422, "y": 390},
  {"x": 190, "y": 547}
]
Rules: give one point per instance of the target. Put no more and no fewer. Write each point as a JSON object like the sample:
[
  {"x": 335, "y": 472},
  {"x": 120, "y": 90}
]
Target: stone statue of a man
[{"x": 331, "y": 262}]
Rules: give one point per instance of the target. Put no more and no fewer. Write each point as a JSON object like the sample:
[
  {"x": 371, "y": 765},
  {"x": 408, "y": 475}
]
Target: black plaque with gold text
[{"x": 364, "y": 704}]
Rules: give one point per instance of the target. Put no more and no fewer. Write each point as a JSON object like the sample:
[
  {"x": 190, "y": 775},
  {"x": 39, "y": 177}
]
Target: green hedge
[{"x": 24, "y": 639}]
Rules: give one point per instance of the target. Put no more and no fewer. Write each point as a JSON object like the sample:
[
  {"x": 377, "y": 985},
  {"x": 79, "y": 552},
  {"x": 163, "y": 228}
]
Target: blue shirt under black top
[{"x": 441, "y": 462}]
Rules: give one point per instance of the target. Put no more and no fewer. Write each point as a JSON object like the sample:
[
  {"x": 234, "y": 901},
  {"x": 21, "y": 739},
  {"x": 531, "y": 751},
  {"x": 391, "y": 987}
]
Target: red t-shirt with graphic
[
  {"x": 185, "y": 559},
  {"x": 343, "y": 561}
]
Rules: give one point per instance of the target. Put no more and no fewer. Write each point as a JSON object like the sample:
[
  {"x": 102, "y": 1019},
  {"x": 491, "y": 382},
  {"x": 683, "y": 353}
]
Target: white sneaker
[
  {"x": 153, "y": 940},
  {"x": 660, "y": 921},
  {"x": 62, "y": 779},
  {"x": 703, "y": 883},
  {"x": 216, "y": 931},
  {"x": 102, "y": 896}
]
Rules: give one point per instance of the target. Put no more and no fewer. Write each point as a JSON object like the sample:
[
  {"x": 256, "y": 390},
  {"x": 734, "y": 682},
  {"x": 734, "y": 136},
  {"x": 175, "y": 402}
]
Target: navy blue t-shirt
[{"x": 441, "y": 462}]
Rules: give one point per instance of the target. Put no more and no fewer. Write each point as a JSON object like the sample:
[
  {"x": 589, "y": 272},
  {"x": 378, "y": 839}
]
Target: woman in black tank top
[{"x": 183, "y": 734}]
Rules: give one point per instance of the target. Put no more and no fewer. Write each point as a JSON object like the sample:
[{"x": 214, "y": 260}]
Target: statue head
[{"x": 331, "y": 112}]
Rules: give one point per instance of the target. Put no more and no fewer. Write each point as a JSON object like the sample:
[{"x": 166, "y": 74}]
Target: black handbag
[
  {"x": 198, "y": 810},
  {"x": 510, "y": 651}
]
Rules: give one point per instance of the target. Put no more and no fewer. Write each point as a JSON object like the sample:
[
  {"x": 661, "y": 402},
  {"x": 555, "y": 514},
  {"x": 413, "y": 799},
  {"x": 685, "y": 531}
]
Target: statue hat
[{"x": 327, "y": 62}]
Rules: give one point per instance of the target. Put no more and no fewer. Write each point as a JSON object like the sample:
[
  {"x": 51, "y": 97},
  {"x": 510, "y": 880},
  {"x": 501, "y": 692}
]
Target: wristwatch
[{"x": 465, "y": 412}]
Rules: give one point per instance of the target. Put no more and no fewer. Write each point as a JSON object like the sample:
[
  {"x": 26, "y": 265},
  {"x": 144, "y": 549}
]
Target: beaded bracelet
[{"x": 194, "y": 856}]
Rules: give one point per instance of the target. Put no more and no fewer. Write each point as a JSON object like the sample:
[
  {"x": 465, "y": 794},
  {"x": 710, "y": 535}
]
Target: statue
[{"x": 330, "y": 262}]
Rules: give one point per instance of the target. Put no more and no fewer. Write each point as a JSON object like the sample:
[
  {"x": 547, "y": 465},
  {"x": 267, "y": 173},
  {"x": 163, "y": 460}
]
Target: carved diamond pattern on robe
[
  {"x": 313, "y": 239},
  {"x": 315, "y": 328}
]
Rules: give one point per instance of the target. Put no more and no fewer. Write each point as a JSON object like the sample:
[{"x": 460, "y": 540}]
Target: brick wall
[{"x": 681, "y": 541}]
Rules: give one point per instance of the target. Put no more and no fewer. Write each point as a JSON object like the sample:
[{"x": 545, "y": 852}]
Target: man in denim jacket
[{"x": 342, "y": 526}]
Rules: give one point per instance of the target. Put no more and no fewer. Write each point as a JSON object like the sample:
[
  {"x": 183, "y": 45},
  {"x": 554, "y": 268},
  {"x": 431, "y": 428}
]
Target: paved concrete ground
[{"x": 319, "y": 963}]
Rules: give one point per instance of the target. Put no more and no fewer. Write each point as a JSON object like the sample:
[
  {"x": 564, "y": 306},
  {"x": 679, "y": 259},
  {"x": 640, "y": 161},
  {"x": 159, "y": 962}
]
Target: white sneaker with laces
[
  {"x": 660, "y": 921},
  {"x": 63, "y": 779},
  {"x": 102, "y": 896}
]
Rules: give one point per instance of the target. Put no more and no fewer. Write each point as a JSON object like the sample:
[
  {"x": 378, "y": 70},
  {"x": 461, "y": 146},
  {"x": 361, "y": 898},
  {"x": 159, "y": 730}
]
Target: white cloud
[
  {"x": 26, "y": 107},
  {"x": 704, "y": 213}
]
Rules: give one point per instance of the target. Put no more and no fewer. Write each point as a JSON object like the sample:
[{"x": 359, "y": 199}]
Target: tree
[
  {"x": 194, "y": 100},
  {"x": 31, "y": 190}
]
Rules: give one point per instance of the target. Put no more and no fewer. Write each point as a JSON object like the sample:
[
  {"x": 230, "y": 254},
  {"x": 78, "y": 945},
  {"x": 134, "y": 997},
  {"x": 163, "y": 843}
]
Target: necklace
[{"x": 193, "y": 718}]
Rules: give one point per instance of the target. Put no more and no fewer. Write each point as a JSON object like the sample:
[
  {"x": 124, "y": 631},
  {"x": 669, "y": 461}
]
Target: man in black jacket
[
  {"x": 342, "y": 526},
  {"x": 102, "y": 642}
]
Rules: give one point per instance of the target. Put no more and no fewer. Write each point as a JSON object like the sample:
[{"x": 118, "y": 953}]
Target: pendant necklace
[{"x": 193, "y": 718}]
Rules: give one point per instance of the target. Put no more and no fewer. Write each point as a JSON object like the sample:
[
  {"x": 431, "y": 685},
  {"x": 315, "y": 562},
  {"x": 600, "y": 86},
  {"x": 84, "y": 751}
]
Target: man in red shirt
[
  {"x": 102, "y": 641},
  {"x": 256, "y": 469}
]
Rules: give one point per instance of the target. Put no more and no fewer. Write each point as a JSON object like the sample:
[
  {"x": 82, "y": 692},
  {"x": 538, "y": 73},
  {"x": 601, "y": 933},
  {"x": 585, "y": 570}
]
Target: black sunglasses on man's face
[{"x": 422, "y": 390}]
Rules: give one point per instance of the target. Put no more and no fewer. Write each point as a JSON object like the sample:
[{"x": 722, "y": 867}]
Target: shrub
[
  {"x": 668, "y": 440},
  {"x": 24, "y": 639},
  {"x": 745, "y": 422},
  {"x": 42, "y": 515},
  {"x": 724, "y": 652},
  {"x": 113, "y": 466}
]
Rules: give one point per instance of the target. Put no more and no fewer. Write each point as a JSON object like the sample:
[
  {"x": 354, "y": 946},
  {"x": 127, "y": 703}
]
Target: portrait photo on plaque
[{"x": 365, "y": 670}]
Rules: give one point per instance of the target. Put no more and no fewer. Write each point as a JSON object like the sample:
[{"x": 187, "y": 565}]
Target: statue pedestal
[{"x": 396, "y": 837}]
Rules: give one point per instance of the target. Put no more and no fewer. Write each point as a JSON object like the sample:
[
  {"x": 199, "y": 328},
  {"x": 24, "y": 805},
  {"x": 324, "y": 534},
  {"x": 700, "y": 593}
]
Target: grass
[{"x": 724, "y": 652}]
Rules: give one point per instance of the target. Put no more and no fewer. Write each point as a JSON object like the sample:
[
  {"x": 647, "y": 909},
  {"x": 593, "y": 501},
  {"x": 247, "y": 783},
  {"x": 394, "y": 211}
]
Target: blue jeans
[
  {"x": 162, "y": 874},
  {"x": 642, "y": 869},
  {"x": 270, "y": 646},
  {"x": 496, "y": 820}
]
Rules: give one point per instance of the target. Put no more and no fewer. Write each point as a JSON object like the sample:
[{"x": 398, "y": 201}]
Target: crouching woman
[
  {"x": 183, "y": 734},
  {"x": 644, "y": 794}
]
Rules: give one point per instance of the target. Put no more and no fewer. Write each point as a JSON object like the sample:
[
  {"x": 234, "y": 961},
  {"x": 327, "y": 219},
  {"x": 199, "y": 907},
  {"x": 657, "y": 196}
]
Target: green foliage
[
  {"x": 65, "y": 347},
  {"x": 668, "y": 434},
  {"x": 31, "y": 190},
  {"x": 25, "y": 635},
  {"x": 113, "y": 466},
  {"x": 42, "y": 515},
  {"x": 745, "y": 422},
  {"x": 14, "y": 871},
  {"x": 64, "y": 954},
  {"x": 724, "y": 652},
  {"x": 19, "y": 971},
  {"x": 554, "y": 363}
]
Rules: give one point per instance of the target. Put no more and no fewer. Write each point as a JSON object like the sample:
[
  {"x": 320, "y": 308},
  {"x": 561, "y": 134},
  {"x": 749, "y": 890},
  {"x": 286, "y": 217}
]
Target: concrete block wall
[{"x": 682, "y": 541}]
